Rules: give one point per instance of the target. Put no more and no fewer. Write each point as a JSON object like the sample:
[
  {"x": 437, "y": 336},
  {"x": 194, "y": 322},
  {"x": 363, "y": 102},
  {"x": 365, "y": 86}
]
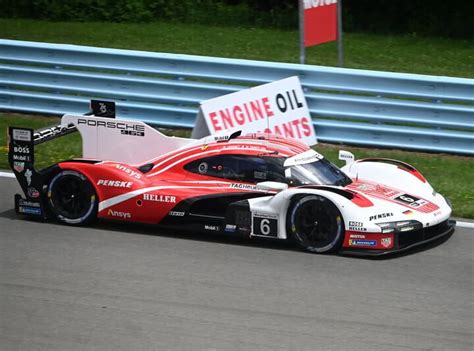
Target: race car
[{"x": 256, "y": 185}]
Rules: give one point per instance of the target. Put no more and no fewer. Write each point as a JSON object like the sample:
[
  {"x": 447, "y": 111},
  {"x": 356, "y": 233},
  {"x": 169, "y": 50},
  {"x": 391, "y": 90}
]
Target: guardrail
[{"x": 348, "y": 106}]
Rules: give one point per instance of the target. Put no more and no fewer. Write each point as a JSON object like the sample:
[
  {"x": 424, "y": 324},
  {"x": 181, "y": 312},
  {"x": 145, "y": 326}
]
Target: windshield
[{"x": 318, "y": 172}]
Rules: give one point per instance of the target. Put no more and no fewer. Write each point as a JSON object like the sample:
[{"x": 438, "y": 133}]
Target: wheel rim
[
  {"x": 316, "y": 224},
  {"x": 71, "y": 196}
]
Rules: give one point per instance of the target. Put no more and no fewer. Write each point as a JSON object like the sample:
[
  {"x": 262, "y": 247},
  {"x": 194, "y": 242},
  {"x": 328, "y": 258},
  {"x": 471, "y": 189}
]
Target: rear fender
[{"x": 108, "y": 179}]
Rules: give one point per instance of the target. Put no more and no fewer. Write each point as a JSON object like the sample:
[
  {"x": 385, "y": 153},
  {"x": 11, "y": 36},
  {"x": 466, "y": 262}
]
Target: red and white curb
[{"x": 458, "y": 223}]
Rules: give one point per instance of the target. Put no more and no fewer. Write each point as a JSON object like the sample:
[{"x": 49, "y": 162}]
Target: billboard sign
[
  {"x": 320, "y": 21},
  {"x": 278, "y": 107}
]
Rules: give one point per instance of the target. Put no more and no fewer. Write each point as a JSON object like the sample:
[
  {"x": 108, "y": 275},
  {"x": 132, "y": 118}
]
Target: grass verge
[
  {"x": 449, "y": 57},
  {"x": 449, "y": 175}
]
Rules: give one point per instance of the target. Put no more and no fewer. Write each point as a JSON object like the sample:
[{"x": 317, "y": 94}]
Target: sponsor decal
[
  {"x": 114, "y": 183},
  {"x": 380, "y": 216},
  {"x": 125, "y": 128},
  {"x": 129, "y": 171},
  {"x": 230, "y": 228},
  {"x": 21, "y": 149},
  {"x": 159, "y": 198},
  {"x": 386, "y": 242},
  {"x": 21, "y": 135},
  {"x": 214, "y": 228},
  {"x": 50, "y": 133},
  {"x": 124, "y": 215},
  {"x": 346, "y": 157},
  {"x": 357, "y": 226},
  {"x": 219, "y": 138},
  {"x": 32, "y": 192},
  {"x": 29, "y": 210},
  {"x": 411, "y": 200},
  {"x": 19, "y": 166},
  {"x": 176, "y": 213},
  {"x": 243, "y": 186},
  {"x": 23, "y": 158},
  {"x": 438, "y": 213},
  {"x": 22, "y": 202},
  {"x": 357, "y": 236},
  {"x": 28, "y": 175},
  {"x": 359, "y": 242},
  {"x": 303, "y": 158},
  {"x": 203, "y": 167},
  {"x": 408, "y": 213}
]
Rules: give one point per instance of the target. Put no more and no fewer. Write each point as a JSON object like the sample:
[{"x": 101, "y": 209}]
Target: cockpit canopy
[{"x": 307, "y": 168}]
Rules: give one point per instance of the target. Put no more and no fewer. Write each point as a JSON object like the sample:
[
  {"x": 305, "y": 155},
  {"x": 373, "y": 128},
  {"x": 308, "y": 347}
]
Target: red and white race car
[{"x": 257, "y": 185}]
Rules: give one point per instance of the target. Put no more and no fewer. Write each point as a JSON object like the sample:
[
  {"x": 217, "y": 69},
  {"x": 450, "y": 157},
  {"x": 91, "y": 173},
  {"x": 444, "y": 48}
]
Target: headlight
[{"x": 401, "y": 226}]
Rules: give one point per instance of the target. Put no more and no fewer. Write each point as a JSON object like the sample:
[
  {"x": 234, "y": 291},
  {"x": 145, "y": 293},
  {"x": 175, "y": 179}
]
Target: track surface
[{"x": 115, "y": 287}]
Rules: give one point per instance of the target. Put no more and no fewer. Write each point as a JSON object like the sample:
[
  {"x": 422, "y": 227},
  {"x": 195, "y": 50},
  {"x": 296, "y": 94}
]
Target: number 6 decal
[{"x": 265, "y": 225}]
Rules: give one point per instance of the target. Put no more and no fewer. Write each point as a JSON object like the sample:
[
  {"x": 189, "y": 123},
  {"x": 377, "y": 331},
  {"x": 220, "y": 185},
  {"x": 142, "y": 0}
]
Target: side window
[
  {"x": 237, "y": 167},
  {"x": 209, "y": 166}
]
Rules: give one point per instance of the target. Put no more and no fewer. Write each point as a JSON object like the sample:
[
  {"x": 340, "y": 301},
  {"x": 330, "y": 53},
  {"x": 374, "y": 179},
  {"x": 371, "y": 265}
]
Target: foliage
[{"x": 434, "y": 17}]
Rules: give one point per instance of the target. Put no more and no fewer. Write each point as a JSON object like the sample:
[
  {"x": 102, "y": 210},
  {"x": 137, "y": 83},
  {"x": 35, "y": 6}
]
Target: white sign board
[{"x": 278, "y": 108}]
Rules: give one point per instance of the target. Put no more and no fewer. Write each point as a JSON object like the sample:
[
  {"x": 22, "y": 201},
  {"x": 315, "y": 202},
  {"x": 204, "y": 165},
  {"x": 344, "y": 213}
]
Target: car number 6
[{"x": 265, "y": 226}]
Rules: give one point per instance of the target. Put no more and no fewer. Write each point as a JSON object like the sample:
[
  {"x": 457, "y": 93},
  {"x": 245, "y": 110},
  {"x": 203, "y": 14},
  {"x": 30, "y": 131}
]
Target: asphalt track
[{"x": 116, "y": 287}]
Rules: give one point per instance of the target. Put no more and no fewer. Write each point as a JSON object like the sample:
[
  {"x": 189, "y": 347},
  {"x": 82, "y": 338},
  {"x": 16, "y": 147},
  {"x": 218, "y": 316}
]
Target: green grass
[
  {"x": 412, "y": 54},
  {"x": 449, "y": 175}
]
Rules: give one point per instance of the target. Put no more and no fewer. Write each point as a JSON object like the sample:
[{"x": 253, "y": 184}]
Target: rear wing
[
  {"x": 97, "y": 108},
  {"x": 103, "y": 138},
  {"x": 21, "y": 158}
]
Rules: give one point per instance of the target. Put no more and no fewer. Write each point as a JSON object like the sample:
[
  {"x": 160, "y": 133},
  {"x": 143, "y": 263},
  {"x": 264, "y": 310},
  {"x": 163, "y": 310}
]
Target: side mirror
[
  {"x": 346, "y": 156},
  {"x": 272, "y": 186}
]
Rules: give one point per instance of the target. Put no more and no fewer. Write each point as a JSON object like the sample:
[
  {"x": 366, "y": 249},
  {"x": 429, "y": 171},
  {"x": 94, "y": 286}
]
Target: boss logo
[{"x": 21, "y": 149}]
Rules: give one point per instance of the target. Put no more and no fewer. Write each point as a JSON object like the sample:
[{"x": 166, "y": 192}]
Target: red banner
[{"x": 320, "y": 21}]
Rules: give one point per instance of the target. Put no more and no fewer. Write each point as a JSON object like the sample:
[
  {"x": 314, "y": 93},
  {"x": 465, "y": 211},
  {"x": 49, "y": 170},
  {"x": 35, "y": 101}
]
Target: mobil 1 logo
[{"x": 265, "y": 225}]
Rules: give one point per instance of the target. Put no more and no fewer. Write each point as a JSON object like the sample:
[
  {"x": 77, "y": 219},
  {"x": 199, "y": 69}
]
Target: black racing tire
[
  {"x": 316, "y": 224},
  {"x": 72, "y": 198}
]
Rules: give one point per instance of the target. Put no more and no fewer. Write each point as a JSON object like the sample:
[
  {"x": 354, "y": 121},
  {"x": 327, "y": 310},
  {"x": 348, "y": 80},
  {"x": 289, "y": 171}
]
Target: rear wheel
[
  {"x": 72, "y": 198},
  {"x": 316, "y": 224}
]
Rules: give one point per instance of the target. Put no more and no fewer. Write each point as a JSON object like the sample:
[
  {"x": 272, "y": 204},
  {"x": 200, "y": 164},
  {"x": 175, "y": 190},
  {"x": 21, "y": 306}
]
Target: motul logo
[{"x": 308, "y": 4}]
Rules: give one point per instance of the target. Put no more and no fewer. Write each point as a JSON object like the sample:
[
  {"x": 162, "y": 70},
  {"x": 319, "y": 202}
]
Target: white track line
[
  {"x": 465, "y": 225},
  {"x": 458, "y": 223},
  {"x": 7, "y": 175}
]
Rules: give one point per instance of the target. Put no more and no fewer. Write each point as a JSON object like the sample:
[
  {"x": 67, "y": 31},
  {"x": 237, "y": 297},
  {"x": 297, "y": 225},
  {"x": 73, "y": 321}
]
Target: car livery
[{"x": 256, "y": 185}]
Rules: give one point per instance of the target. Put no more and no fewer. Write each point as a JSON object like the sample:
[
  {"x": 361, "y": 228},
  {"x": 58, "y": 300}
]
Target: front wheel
[
  {"x": 316, "y": 224},
  {"x": 72, "y": 198}
]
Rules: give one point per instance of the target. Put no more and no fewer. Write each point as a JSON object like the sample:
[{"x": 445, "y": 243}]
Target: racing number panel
[{"x": 265, "y": 225}]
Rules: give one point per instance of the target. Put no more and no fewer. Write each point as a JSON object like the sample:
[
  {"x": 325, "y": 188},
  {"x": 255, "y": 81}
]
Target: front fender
[
  {"x": 277, "y": 205},
  {"x": 396, "y": 174}
]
